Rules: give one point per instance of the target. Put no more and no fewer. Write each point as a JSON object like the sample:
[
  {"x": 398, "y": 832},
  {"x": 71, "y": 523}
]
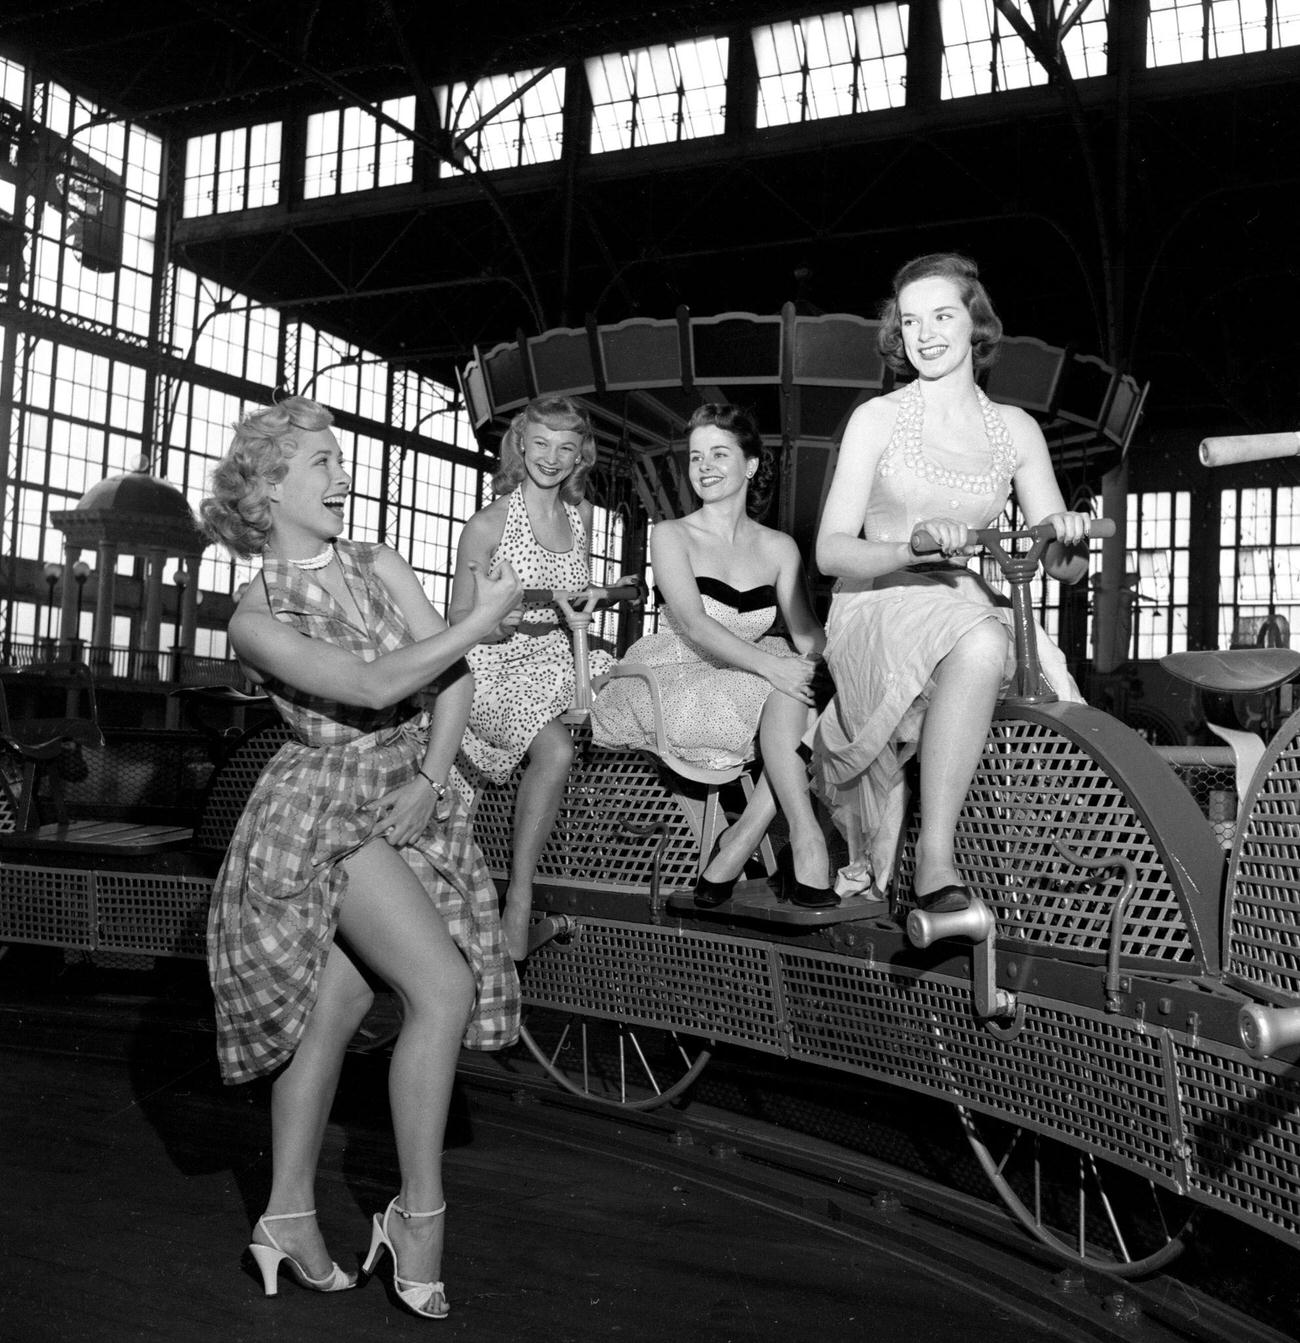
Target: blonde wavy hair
[
  {"x": 555, "y": 413},
  {"x": 238, "y": 511}
]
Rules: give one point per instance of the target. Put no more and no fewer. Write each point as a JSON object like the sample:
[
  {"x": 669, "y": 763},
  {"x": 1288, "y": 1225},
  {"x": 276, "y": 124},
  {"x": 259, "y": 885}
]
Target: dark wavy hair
[
  {"x": 238, "y": 511},
  {"x": 555, "y": 413},
  {"x": 741, "y": 425},
  {"x": 965, "y": 274}
]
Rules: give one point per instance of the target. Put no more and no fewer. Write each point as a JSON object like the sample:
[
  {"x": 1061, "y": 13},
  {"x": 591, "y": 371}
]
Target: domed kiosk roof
[{"x": 135, "y": 511}]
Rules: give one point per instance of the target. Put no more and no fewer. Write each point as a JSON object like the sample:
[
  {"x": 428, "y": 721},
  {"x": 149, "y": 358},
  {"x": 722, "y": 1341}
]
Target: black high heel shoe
[
  {"x": 789, "y": 887},
  {"x": 711, "y": 894},
  {"x": 943, "y": 899}
]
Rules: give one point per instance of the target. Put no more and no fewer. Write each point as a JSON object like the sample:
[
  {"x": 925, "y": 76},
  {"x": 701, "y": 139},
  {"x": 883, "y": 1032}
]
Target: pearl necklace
[
  {"x": 316, "y": 561},
  {"x": 905, "y": 441}
]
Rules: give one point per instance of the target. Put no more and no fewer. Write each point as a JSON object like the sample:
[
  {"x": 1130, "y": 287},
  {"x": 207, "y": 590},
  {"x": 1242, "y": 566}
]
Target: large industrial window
[
  {"x": 506, "y": 121},
  {"x": 438, "y": 498},
  {"x": 237, "y": 169},
  {"x": 983, "y": 53},
  {"x": 97, "y": 217},
  {"x": 831, "y": 65},
  {"x": 218, "y": 328},
  {"x": 658, "y": 95},
  {"x": 350, "y": 149},
  {"x": 1179, "y": 31},
  {"x": 606, "y": 542},
  {"x": 1157, "y": 561},
  {"x": 1259, "y": 565}
]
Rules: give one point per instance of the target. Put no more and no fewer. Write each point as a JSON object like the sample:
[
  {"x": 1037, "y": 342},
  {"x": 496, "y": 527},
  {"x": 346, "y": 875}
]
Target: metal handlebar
[
  {"x": 578, "y": 609},
  {"x": 1019, "y": 568}
]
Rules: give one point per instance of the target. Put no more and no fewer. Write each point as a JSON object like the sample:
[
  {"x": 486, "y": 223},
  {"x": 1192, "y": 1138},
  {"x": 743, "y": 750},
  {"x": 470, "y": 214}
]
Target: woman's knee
[
  {"x": 551, "y": 750},
  {"x": 983, "y": 648},
  {"x": 445, "y": 993}
]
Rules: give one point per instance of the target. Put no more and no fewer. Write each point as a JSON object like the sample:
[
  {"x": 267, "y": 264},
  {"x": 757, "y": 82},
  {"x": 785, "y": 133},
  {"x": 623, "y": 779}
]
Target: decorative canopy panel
[{"x": 801, "y": 374}]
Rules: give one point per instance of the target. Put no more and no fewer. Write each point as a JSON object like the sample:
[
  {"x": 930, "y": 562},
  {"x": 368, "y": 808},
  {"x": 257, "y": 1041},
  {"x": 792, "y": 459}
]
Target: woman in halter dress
[
  {"x": 919, "y": 651},
  {"x": 716, "y": 673},
  {"x": 352, "y": 855},
  {"x": 523, "y": 676}
]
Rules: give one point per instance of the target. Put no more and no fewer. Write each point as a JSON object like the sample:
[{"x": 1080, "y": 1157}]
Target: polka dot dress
[
  {"x": 522, "y": 684},
  {"x": 710, "y": 709}
]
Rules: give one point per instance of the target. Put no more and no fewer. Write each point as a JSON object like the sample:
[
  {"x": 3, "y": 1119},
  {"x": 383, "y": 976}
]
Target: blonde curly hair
[{"x": 238, "y": 511}]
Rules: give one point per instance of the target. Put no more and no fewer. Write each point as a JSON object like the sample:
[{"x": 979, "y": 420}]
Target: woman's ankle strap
[{"x": 406, "y": 1216}]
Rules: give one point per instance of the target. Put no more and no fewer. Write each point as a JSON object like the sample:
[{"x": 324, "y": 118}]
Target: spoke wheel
[
  {"x": 1091, "y": 1213},
  {"x": 613, "y": 1063}
]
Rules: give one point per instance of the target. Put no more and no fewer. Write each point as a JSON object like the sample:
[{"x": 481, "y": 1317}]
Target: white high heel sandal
[
  {"x": 423, "y": 1298},
  {"x": 269, "y": 1257}
]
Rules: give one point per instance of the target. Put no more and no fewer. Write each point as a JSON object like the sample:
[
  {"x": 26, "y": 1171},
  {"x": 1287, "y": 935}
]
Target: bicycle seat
[{"x": 1234, "y": 671}]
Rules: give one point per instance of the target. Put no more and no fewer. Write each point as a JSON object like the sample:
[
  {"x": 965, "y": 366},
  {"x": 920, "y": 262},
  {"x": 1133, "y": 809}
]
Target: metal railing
[{"x": 138, "y": 667}]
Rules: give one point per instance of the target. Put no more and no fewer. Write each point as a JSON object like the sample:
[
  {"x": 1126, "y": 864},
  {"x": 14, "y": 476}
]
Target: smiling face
[
  {"x": 717, "y": 463},
  {"x": 308, "y": 503},
  {"x": 550, "y": 455},
  {"x": 936, "y": 326}
]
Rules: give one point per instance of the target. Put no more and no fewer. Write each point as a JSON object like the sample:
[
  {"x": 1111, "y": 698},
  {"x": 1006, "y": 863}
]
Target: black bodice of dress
[{"x": 751, "y": 599}]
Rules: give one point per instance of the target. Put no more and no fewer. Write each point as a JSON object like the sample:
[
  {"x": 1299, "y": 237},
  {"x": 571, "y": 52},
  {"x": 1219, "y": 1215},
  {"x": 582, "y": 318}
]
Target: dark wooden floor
[{"x": 129, "y": 1178}]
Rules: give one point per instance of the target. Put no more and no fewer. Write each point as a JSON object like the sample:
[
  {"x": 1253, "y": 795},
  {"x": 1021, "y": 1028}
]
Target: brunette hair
[
  {"x": 238, "y": 511},
  {"x": 741, "y": 425},
  {"x": 965, "y": 274},
  {"x": 555, "y": 413}
]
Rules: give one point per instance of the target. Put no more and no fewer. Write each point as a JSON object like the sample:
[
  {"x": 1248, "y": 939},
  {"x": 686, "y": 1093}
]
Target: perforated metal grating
[
  {"x": 1242, "y": 1124},
  {"x": 1263, "y": 916},
  {"x": 1081, "y": 1076},
  {"x": 227, "y": 793},
  {"x": 163, "y": 915},
  {"x": 714, "y": 986},
  {"x": 45, "y": 905},
  {"x": 591, "y": 844},
  {"x": 1034, "y": 786}
]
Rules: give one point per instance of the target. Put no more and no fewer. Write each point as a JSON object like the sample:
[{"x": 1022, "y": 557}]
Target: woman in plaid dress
[{"x": 352, "y": 850}]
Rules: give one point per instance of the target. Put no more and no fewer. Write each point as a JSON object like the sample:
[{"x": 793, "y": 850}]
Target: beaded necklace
[
  {"x": 316, "y": 561},
  {"x": 905, "y": 441}
]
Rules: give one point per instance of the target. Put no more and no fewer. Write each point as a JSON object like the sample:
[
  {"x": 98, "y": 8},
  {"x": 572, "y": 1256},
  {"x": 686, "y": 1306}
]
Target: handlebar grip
[
  {"x": 631, "y": 589},
  {"x": 922, "y": 543}
]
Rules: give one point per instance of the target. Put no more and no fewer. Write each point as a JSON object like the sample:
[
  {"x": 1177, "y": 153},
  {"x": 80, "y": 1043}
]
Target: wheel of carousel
[
  {"x": 1092, "y": 1213},
  {"x": 611, "y": 1062}
]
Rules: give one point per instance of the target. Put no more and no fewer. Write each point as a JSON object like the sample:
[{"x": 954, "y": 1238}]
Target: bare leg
[
  {"x": 540, "y": 792},
  {"x": 785, "y": 774},
  {"x": 301, "y": 1097},
  {"x": 966, "y": 685},
  {"x": 781, "y": 729},
  {"x": 743, "y": 835},
  {"x": 388, "y": 919}
]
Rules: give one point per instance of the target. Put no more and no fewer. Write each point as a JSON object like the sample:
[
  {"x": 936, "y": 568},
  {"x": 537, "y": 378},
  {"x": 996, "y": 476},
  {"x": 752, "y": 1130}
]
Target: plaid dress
[{"x": 276, "y": 901}]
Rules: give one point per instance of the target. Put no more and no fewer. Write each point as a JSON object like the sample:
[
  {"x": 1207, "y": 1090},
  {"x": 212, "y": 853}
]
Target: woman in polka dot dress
[
  {"x": 920, "y": 649},
  {"x": 523, "y": 681},
  {"x": 720, "y": 681}
]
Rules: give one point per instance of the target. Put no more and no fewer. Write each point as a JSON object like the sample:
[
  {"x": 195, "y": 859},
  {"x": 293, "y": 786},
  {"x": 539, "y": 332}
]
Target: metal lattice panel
[
  {"x": 49, "y": 906},
  {"x": 1083, "y": 1077},
  {"x": 1242, "y": 1124},
  {"x": 141, "y": 769},
  {"x": 591, "y": 845},
  {"x": 1035, "y": 787},
  {"x": 162, "y": 915},
  {"x": 1262, "y": 936},
  {"x": 697, "y": 983},
  {"x": 229, "y": 789},
  {"x": 1214, "y": 789}
]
